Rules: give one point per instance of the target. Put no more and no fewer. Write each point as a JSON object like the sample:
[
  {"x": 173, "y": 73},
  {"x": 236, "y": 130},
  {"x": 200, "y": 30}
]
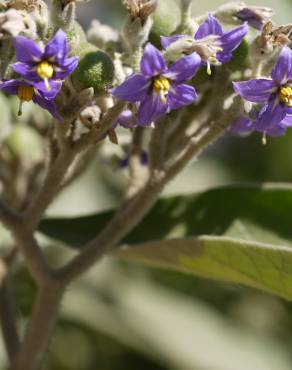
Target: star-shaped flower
[
  {"x": 216, "y": 45},
  {"x": 36, "y": 92},
  {"x": 44, "y": 64},
  {"x": 158, "y": 88},
  {"x": 274, "y": 94}
]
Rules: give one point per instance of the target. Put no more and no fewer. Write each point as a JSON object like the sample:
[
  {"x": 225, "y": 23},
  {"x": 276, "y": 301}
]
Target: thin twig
[
  {"x": 7, "y": 317},
  {"x": 137, "y": 172},
  {"x": 131, "y": 213},
  {"x": 8, "y": 326},
  {"x": 40, "y": 328}
]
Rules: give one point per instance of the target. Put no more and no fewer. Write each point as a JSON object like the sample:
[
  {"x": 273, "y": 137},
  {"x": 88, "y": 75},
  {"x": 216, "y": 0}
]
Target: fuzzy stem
[
  {"x": 40, "y": 328},
  {"x": 8, "y": 325}
]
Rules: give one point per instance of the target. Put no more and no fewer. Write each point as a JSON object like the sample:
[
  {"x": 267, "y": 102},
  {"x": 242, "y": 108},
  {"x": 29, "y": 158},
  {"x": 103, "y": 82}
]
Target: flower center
[
  {"x": 286, "y": 95},
  {"x": 162, "y": 87},
  {"x": 45, "y": 70},
  {"x": 25, "y": 93}
]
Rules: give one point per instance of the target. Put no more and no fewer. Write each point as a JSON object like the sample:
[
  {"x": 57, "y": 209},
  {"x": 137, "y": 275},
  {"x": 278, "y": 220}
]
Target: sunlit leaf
[{"x": 263, "y": 266}]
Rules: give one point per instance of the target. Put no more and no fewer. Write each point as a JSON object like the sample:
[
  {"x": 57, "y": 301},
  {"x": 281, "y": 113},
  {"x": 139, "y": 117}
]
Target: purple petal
[
  {"x": 271, "y": 115},
  {"x": 55, "y": 88},
  {"x": 251, "y": 17},
  {"x": 242, "y": 124},
  {"x": 277, "y": 130},
  {"x": 184, "y": 69},
  {"x": 11, "y": 86},
  {"x": 210, "y": 27},
  {"x": 26, "y": 70},
  {"x": 49, "y": 105},
  {"x": 127, "y": 119},
  {"x": 287, "y": 121},
  {"x": 57, "y": 48},
  {"x": 153, "y": 62},
  {"x": 27, "y": 51},
  {"x": 180, "y": 96},
  {"x": 168, "y": 40},
  {"x": 256, "y": 91},
  {"x": 282, "y": 71},
  {"x": 151, "y": 109},
  {"x": 133, "y": 89},
  {"x": 231, "y": 40},
  {"x": 65, "y": 69}
]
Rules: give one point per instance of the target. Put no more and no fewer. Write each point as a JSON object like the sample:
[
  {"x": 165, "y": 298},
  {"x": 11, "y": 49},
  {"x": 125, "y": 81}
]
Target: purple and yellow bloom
[
  {"x": 158, "y": 88},
  {"x": 47, "y": 64},
  {"x": 222, "y": 43},
  {"x": 33, "y": 91},
  {"x": 274, "y": 95}
]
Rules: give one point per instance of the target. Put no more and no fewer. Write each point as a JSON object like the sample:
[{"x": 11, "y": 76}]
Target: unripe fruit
[
  {"x": 166, "y": 19},
  {"x": 95, "y": 69}
]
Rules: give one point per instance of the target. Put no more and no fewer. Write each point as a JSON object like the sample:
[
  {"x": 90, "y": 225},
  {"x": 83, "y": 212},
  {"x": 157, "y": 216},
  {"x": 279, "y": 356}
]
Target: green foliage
[
  {"x": 257, "y": 218},
  {"x": 262, "y": 266}
]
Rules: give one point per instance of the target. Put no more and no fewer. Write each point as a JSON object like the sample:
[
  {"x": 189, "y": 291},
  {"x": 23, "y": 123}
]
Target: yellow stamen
[
  {"x": 25, "y": 93},
  {"x": 286, "y": 95},
  {"x": 45, "y": 70},
  {"x": 162, "y": 87},
  {"x": 264, "y": 139}
]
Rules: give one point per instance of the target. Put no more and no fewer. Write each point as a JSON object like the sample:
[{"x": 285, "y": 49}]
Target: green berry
[{"x": 95, "y": 69}]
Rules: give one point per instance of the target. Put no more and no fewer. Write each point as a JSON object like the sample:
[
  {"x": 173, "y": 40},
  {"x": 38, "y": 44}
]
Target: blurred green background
[{"x": 122, "y": 317}]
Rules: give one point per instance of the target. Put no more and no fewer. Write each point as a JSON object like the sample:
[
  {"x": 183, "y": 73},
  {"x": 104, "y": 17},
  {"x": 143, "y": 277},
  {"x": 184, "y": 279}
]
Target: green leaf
[
  {"x": 263, "y": 266},
  {"x": 261, "y": 213}
]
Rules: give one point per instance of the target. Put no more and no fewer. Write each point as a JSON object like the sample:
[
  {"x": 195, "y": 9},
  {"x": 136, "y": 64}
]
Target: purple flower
[
  {"x": 44, "y": 64},
  {"x": 221, "y": 43},
  {"x": 159, "y": 89},
  {"x": 27, "y": 91},
  {"x": 274, "y": 95},
  {"x": 127, "y": 119},
  {"x": 249, "y": 124},
  {"x": 255, "y": 16}
]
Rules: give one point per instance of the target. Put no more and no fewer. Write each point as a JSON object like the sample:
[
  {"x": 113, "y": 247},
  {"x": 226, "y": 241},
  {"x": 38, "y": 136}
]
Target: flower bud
[
  {"x": 166, "y": 19},
  {"x": 95, "y": 69},
  {"x": 11, "y": 23},
  {"x": 140, "y": 8},
  {"x": 90, "y": 116}
]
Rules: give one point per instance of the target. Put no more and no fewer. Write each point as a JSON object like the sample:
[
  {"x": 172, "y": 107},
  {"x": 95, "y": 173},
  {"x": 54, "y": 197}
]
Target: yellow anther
[
  {"x": 162, "y": 87},
  {"x": 45, "y": 70},
  {"x": 286, "y": 95},
  {"x": 25, "y": 93}
]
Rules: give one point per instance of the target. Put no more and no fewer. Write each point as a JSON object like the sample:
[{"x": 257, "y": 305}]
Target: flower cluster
[
  {"x": 41, "y": 69},
  {"x": 273, "y": 98},
  {"x": 159, "y": 88}
]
